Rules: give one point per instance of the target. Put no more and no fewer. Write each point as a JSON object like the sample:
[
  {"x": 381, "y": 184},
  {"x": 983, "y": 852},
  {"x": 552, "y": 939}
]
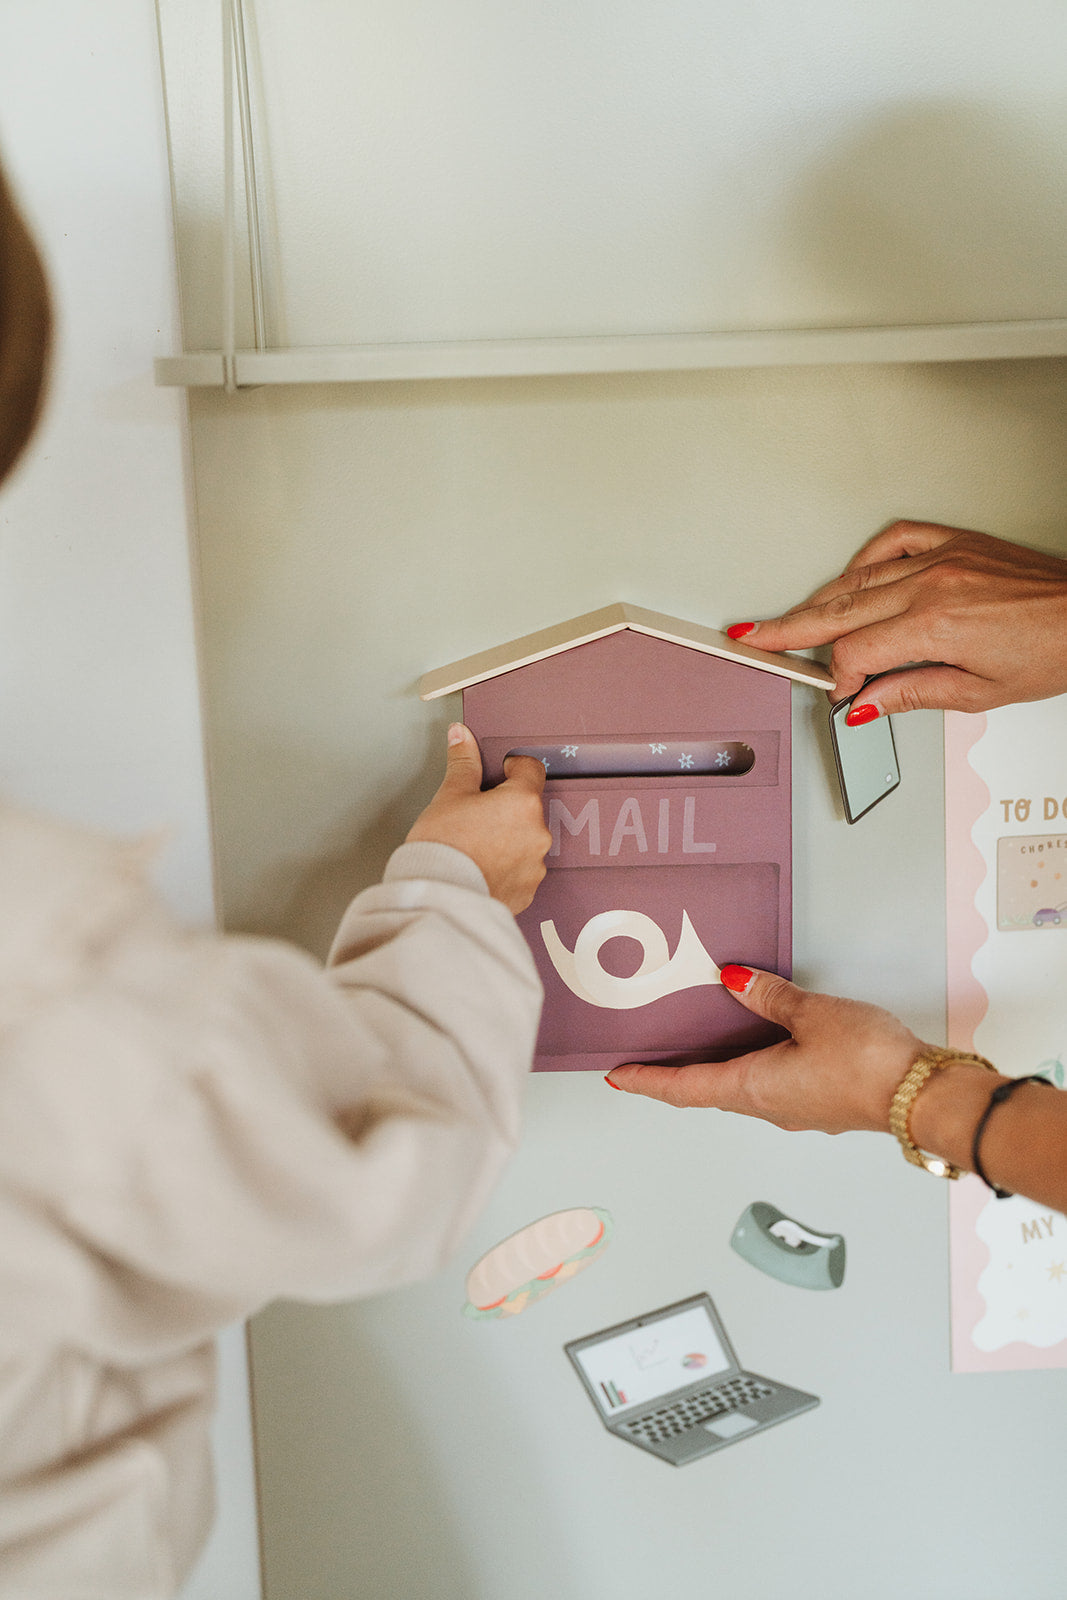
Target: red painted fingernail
[
  {"x": 858, "y": 715},
  {"x": 613, "y": 1085},
  {"x": 736, "y": 978},
  {"x": 739, "y": 630}
]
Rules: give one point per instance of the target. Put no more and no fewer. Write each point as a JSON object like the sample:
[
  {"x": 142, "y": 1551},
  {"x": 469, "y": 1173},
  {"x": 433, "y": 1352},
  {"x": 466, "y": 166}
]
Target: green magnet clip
[{"x": 786, "y": 1250}]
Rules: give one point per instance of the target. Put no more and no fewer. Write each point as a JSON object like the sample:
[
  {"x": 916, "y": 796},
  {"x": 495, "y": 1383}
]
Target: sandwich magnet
[{"x": 536, "y": 1260}]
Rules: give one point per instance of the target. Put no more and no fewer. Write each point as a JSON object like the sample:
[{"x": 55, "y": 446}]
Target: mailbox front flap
[{"x": 668, "y": 799}]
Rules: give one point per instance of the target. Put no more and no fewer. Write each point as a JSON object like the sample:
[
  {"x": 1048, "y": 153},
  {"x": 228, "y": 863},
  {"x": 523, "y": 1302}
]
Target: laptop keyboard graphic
[
  {"x": 670, "y": 1383},
  {"x": 698, "y": 1408}
]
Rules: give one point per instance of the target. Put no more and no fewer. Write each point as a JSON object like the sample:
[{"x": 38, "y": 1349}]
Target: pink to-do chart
[{"x": 1006, "y": 860}]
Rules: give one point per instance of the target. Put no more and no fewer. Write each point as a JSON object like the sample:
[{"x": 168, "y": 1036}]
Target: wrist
[
  {"x": 438, "y": 862},
  {"x": 931, "y": 1109},
  {"x": 949, "y": 1107}
]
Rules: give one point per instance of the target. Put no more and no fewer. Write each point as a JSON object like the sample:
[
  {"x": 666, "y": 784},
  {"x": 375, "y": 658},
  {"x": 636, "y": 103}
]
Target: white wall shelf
[
  {"x": 512, "y": 358},
  {"x": 896, "y": 316}
]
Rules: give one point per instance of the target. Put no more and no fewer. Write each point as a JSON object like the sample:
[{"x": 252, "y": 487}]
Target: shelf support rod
[
  {"x": 248, "y": 159},
  {"x": 229, "y": 333},
  {"x": 235, "y": 76}
]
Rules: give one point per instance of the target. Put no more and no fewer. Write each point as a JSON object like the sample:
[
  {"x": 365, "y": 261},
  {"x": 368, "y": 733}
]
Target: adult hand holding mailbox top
[{"x": 986, "y": 621}]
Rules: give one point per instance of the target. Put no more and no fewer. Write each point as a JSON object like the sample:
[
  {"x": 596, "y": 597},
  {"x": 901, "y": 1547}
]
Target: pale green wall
[{"x": 351, "y": 540}]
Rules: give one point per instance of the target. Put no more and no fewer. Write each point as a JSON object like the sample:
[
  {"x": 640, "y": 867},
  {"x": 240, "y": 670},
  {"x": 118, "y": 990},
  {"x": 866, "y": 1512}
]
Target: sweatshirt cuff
[{"x": 441, "y": 863}]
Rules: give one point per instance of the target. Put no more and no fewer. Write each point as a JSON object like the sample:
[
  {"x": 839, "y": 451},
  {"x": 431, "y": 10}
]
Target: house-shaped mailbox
[{"x": 668, "y": 796}]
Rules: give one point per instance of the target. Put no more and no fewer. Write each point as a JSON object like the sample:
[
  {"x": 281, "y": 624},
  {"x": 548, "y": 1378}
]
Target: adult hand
[
  {"x": 985, "y": 620},
  {"x": 502, "y": 830},
  {"x": 839, "y": 1071}
]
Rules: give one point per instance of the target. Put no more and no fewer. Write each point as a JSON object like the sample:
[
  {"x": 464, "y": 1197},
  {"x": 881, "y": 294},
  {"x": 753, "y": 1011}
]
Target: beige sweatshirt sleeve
[{"x": 201, "y": 1124}]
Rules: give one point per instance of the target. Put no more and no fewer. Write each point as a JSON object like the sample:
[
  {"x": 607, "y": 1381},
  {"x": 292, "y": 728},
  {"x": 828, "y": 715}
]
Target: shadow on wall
[
  {"x": 938, "y": 212},
  {"x": 340, "y": 1402},
  {"x": 925, "y": 212},
  {"x": 952, "y": 212},
  {"x": 303, "y": 899}
]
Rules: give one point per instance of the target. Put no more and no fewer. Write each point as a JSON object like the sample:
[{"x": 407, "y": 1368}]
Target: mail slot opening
[{"x": 604, "y": 758}]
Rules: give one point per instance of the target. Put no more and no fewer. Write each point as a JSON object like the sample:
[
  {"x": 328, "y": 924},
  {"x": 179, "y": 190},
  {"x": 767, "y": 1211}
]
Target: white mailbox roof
[{"x": 612, "y": 619}]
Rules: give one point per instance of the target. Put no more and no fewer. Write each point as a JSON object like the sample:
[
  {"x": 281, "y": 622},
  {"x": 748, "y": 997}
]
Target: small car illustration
[{"x": 1048, "y": 917}]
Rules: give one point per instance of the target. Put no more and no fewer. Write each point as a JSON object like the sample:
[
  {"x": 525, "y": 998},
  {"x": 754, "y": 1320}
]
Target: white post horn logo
[{"x": 659, "y": 973}]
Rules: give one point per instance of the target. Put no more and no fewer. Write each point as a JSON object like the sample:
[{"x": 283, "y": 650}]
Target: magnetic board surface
[{"x": 351, "y": 542}]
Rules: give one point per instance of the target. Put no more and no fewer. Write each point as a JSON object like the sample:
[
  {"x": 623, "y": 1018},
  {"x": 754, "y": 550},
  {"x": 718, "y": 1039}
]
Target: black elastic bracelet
[{"x": 997, "y": 1098}]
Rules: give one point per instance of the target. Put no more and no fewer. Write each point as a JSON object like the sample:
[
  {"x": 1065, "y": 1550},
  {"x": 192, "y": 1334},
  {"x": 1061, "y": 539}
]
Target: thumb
[
  {"x": 769, "y": 996},
  {"x": 525, "y": 772},
  {"x": 463, "y": 769},
  {"x": 933, "y": 688}
]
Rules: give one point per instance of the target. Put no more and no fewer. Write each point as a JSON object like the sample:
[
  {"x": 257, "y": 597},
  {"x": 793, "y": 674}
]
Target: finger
[
  {"x": 867, "y": 576},
  {"x": 714, "y": 1085},
  {"x": 879, "y": 560},
  {"x": 525, "y": 772},
  {"x": 903, "y": 538},
  {"x": 709, "y": 1084},
  {"x": 907, "y": 642},
  {"x": 463, "y": 771},
  {"x": 769, "y": 996},
  {"x": 826, "y": 623},
  {"x": 935, "y": 688}
]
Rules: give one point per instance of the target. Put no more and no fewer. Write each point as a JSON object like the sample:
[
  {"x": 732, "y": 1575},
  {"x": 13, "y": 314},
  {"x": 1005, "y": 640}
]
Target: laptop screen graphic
[{"x": 639, "y": 1366}]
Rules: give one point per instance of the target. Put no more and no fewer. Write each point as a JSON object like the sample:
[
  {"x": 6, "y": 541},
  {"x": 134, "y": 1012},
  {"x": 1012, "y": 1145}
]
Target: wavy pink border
[{"x": 967, "y": 799}]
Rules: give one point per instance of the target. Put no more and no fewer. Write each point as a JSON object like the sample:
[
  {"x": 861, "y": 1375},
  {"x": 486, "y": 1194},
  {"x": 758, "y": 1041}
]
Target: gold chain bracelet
[{"x": 930, "y": 1061}]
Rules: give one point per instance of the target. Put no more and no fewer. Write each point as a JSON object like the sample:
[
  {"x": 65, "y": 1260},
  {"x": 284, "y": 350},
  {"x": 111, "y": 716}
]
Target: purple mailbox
[{"x": 668, "y": 796}]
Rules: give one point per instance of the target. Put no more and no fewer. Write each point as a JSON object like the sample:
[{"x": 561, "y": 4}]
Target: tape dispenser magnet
[{"x": 784, "y": 1249}]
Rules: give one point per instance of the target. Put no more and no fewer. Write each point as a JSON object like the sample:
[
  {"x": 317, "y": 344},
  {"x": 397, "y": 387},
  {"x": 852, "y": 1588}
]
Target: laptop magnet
[{"x": 730, "y": 1426}]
